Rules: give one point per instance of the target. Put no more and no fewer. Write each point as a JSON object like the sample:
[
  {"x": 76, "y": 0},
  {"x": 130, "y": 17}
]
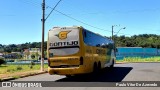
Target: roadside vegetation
[
  {"x": 2, "y": 61},
  {"x": 16, "y": 71},
  {"x": 142, "y": 40},
  {"x": 9, "y": 69},
  {"x": 139, "y": 59}
]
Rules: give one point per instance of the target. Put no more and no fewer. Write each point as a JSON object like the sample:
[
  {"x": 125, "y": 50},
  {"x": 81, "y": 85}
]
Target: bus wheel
[
  {"x": 112, "y": 64},
  {"x": 68, "y": 76},
  {"x": 99, "y": 65},
  {"x": 95, "y": 67}
]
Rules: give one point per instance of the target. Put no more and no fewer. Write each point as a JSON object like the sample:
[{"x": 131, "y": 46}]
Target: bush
[
  {"x": 10, "y": 70},
  {"x": 32, "y": 63},
  {"x": 2, "y": 61},
  {"x": 19, "y": 68},
  {"x": 33, "y": 56}
]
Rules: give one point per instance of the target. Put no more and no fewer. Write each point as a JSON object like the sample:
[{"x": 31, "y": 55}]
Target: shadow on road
[{"x": 117, "y": 74}]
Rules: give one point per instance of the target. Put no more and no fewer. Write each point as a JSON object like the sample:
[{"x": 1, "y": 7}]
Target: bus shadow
[{"x": 117, "y": 74}]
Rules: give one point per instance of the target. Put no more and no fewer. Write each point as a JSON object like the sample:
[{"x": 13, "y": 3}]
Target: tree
[
  {"x": 37, "y": 55},
  {"x": 33, "y": 56},
  {"x": 2, "y": 61},
  {"x": 1, "y": 45},
  {"x": 45, "y": 54}
]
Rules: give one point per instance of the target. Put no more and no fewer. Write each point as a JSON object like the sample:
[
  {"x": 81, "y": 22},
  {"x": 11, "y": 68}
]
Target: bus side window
[
  {"x": 98, "y": 45},
  {"x": 85, "y": 35}
]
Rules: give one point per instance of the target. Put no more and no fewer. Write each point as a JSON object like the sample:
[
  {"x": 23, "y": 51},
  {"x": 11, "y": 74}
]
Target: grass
[
  {"x": 9, "y": 69},
  {"x": 139, "y": 59}
]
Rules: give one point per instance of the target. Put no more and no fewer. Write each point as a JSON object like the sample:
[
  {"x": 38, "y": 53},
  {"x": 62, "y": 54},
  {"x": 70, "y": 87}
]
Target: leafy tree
[
  {"x": 33, "y": 56},
  {"x": 37, "y": 55},
  {"x": 142, "y": 40},
  {"x": 2, "y": 61}
]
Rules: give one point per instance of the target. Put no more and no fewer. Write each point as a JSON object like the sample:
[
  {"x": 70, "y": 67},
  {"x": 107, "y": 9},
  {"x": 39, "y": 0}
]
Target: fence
[
  {"x": 24, "y": 62},
  {"x": 136, "y": 52}
]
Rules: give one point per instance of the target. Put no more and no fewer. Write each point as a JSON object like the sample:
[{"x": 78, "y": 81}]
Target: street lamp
[
  {"x": 116, "y": 35},
  {"x": 113, "y": 38},
  {"x": 120, "y": 30}
]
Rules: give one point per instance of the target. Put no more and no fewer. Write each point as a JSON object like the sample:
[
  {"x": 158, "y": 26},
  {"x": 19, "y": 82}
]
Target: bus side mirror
[
  {"x": 116, "y": 50},
  {"x": 105, "y": 45}
]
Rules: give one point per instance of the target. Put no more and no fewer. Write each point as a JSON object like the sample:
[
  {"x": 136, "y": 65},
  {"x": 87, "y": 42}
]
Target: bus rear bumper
[{"x": 65, "y": 71}]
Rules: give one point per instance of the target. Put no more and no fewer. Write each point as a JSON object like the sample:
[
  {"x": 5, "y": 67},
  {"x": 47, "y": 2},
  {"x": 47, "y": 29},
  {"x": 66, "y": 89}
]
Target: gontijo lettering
[{"x": 69, "y": 43}]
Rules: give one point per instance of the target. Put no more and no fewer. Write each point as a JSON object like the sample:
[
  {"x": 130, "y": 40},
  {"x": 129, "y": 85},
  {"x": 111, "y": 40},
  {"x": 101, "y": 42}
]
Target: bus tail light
[{"x": 81, "y": 60}]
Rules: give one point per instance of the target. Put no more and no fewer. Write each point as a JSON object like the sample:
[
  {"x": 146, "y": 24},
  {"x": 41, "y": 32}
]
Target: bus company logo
[{"x": 62, "y": 34}]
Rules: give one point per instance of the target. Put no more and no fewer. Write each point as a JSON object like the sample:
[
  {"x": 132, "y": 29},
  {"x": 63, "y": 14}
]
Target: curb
[
  {"x": 7, "y": 79},
  {"x": 22, "y": 76},
  {"x": 120, "y": 62},
  {"x": 134, "y": 62}
]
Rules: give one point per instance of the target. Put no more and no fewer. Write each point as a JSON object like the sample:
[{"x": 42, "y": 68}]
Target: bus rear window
[{"x": 63, "y": 51}]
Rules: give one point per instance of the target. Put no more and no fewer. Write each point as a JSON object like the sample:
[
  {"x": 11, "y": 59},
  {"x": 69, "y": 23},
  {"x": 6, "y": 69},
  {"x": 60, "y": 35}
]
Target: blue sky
[{"x": 20, "y": 20}]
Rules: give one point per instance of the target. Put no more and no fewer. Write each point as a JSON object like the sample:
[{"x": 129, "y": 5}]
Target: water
[{"x": 136, "y": 52}]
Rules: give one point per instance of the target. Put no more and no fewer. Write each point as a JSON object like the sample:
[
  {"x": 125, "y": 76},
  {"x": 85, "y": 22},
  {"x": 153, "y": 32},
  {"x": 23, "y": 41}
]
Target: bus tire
[
  {"x": 68, "y": 76},
  {"x": 95, "y": 68},
  {"x": 112, "y": 65},
  {"x": 99, "y": 65}
]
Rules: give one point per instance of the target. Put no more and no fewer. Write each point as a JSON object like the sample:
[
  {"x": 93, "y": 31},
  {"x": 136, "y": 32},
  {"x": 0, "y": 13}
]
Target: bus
[{"x": 76, "y": 50}]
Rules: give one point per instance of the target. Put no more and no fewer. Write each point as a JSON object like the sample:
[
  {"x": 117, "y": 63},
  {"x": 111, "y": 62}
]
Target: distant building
[
  {"x": 32, "y": 53},
  {"x": 1, "y": 55},
  {"x": 26, "y": 54},
  {"x": 11, "y": 56}
]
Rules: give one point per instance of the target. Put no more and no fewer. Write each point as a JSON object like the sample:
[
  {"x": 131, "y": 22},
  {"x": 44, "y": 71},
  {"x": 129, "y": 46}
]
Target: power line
[
  {"x": 86, "y": 23},
  {"x": 53, "y": 9},
  {"x": 83, "y": 22},
  {"x": 79, "y": 20}
]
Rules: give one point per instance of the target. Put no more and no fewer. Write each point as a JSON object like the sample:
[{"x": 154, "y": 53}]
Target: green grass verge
[
  {"x": 139, "y": 59},
  {"x": 8, "y": 69}
]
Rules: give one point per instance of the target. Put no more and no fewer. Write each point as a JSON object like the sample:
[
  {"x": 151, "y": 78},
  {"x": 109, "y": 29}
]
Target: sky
[{"x": 20, "y": 20}]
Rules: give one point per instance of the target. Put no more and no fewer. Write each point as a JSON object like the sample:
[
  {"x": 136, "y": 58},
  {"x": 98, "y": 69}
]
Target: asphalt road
[{"x": 121, "y": 72}]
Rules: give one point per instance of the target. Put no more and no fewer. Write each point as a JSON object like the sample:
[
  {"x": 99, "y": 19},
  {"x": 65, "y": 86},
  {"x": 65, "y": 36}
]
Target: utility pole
[
  {"x": 112, "y": 32},
  {"x": 43, "y": 27},
  {"x": 42, "y": 43},
  {"x": 113, "y": 37}
]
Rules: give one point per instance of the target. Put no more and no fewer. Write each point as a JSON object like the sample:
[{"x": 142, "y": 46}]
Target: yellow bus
[{"x": 76, "y": 50}]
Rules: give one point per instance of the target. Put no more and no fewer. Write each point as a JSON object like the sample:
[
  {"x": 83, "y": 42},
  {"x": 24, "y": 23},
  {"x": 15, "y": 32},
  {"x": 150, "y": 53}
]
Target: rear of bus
[{"x": 64, "y": 53}]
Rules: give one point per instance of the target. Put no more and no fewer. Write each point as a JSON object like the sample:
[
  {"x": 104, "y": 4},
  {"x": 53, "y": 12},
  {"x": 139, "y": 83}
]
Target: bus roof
[{"x": 74, "y": 27}]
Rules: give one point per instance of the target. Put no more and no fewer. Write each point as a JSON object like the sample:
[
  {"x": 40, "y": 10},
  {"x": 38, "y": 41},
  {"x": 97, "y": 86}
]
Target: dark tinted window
[{"x": 92, "y": 39}]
